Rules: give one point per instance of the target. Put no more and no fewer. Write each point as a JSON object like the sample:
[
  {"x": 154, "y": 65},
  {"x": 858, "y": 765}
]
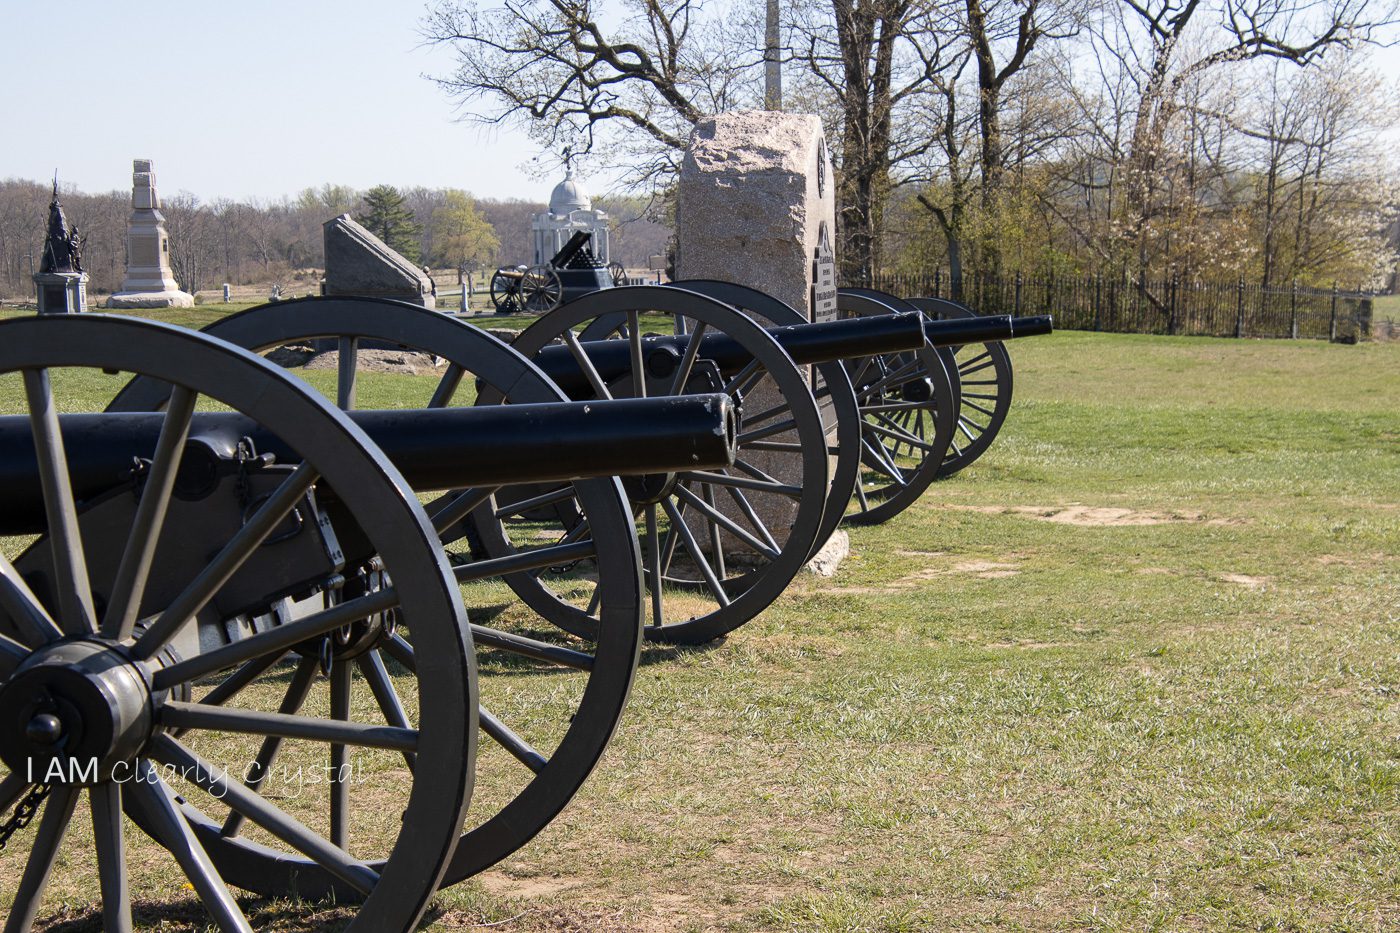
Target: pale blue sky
[
  {"x": 249, "y": 98},
  {"x": 240, "y": 98}
]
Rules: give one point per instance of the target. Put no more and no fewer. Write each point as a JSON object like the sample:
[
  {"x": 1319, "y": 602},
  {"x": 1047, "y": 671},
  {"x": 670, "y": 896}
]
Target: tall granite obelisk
[{"x": 149, "y": 283}]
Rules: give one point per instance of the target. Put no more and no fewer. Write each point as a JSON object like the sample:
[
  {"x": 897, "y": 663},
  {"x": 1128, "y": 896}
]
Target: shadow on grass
[
  {"x": 660, "y": 654},
  {"x": 282, "y": 916}
]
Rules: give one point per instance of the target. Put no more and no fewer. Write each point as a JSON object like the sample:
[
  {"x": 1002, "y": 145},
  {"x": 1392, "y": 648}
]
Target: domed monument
[{"x": 570, "y": 210}]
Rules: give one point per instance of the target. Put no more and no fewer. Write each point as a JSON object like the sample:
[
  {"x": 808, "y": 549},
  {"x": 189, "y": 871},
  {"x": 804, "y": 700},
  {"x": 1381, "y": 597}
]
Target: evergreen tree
[{"x": 386, "y": 217}]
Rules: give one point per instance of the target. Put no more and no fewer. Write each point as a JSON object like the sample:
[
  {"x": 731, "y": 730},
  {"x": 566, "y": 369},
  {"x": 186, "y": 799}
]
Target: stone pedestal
[
  {"x": 757, "y": 207},
  {"x": 149, "y": 283},
  {"x": 61, "y": 292}
]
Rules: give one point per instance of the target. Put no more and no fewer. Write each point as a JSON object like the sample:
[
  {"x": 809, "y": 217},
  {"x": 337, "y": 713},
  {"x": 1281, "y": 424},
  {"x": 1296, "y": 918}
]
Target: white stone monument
[
  {"x": 570, "y": 210},
  {"x": 149, "y": 283}
]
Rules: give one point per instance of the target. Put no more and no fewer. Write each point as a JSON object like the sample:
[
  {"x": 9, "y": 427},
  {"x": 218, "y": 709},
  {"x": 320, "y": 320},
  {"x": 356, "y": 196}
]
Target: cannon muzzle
[
  {"x": 434, "y": 448},
  {"x": 994, "y": 327}
]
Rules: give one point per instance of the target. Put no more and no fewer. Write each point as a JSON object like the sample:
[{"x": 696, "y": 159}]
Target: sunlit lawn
[{"x": 1136, "y": 669}]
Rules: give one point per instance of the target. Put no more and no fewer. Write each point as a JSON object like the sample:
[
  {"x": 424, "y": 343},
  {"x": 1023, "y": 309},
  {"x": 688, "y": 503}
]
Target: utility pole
[{"x": 772, "y": 61}]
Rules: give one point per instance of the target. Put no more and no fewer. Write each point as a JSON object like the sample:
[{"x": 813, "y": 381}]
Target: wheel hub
[
  {"x": 73, "y": 711},
  {"x": 919, "y": 391}
]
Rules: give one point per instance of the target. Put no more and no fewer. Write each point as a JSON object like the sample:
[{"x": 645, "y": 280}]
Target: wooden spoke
[
  {"x": 507, "y": 739},
  {"x": 74, "y": 591},
  {"x": 276, "y": 821},
  {"x": 130, "y": 583},
  {"x": 106, "y": 802},
  {"x": 172, "y": 831},
  {"x": 278, "y": 639},
  {"x": 58, "y": 812},
  {"x": 232, "y": 556}
]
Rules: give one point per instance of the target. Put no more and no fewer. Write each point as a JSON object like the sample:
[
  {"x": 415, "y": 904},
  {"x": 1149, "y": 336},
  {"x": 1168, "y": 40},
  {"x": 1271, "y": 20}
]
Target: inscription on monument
[
  {"x": 144, "y": 253},
  {"x": 823, "y": 301}
]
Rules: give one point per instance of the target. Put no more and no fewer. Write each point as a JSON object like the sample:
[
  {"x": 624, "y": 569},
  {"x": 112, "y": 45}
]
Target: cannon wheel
[
  {"x": 833, "y": 386},
  {"x": 542, "y": 778},
  {"x": 540, "y": 289},
  {"x": 618, "y": 273},
  {"x": 114, "y": 665},
  {"x": 985, "y": 372},
  {"x": 907, "y": 403},
  {"x": 733, "y": 562},
  {"x": 505, "y": 291}
]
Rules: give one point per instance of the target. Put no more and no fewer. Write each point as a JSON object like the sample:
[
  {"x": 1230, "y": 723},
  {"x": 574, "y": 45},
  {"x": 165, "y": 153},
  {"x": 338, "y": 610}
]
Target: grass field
[{"x": 1137, "y": 669}]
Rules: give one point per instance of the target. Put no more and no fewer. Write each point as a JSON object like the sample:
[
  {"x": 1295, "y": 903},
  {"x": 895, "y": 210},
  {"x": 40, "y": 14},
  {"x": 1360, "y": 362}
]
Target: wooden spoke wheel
[
  {"x": 543, "y": 742},
  {"x": 830, "y": 386},
  {"x": 984, "y": 370},
  {"x": 617, "y": 273},
  {"x": 719, "y": 546},
  {"x": 540, "y": 289},
  {"x": 907, "y": 402},
  {"x": 97, "y": 616}
]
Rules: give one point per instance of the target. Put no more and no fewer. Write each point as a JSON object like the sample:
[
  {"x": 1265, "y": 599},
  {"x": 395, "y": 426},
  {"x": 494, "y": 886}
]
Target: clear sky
[
  {"x": 250, "y": 98},
  {"x": 240, "y": 99}
]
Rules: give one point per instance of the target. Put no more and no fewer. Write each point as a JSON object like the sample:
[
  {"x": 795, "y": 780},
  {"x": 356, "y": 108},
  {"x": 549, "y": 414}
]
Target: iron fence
[{"x": 1150, "y": 305}]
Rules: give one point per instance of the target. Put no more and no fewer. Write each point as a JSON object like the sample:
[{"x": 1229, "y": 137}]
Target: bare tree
[
  {"x": 557, "y": 68},
  {"x": 1186, "y": 40}
]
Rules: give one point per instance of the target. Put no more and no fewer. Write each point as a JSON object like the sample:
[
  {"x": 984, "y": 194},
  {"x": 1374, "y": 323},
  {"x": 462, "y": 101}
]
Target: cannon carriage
[
  {"x": 245, "y": 573},
  {"x": 570, "y": 273}
]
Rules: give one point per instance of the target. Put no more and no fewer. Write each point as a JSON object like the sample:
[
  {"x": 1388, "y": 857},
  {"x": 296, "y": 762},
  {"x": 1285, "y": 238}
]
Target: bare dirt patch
[
  {"x": 1092, "y": 516},
  {"x": 1241, "y": 579},
  {"x": 402, "y": 362},
  {"x": 504, "y": 885},
  {"x": 986, "y": 569},
  {"x": 982, "y": 569}
]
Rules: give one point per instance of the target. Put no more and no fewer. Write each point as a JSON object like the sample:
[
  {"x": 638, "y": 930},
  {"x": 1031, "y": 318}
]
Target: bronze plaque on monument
[{"x": 823, "y": 303}]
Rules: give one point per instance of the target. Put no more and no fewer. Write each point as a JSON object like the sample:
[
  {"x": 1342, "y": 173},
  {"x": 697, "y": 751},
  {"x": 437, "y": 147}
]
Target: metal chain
[{"x": 24, "y": 813}]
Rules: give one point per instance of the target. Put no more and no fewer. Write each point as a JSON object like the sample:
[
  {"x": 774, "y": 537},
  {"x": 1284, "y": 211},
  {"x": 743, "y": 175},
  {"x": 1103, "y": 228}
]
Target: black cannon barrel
[
  {"x": 847, "y": 338},
  {"x": 985, "y": 329},
  {"x": 434, "y": 448},
  {"x": 805, "y": 343}
]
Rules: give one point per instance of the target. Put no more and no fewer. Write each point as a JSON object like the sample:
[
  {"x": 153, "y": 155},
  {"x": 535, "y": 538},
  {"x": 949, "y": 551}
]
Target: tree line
[
  {"x": 265, "y": 241},
  {"x": 1148, "y": 138}
]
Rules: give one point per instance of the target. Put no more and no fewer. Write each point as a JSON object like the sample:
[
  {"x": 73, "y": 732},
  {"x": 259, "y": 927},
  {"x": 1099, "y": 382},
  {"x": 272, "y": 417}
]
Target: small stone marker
[
  {"x": 358, "y": 263},
  {"x": 149, "y": 283},
  {"x": 227, "y": 292}
]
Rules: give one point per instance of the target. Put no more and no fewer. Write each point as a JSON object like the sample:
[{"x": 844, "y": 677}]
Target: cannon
[
  {"x": 188, "y": 558},
  {"x": 569, "y": 273},
  {"x": 984, "y": 364},
  {"x": 721, "y": 545}
]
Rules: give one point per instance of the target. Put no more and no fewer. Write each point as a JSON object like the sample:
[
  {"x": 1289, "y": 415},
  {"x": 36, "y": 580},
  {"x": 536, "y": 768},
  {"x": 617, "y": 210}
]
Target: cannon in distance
[{"x": 805, "y": 343}]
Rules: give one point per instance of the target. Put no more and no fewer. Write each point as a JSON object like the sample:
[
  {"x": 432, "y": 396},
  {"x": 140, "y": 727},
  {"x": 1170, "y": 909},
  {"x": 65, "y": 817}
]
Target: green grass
[
  {"x": 1183, "y": 725},
  {"x": 995, "y": 718}
]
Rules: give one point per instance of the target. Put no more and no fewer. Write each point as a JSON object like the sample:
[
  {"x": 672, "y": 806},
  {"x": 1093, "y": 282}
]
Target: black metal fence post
[
  {"x": 1332, "y": 327},
  {"x": 1239, "y": 308},
  {"x": 1171, "y": 304}
]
